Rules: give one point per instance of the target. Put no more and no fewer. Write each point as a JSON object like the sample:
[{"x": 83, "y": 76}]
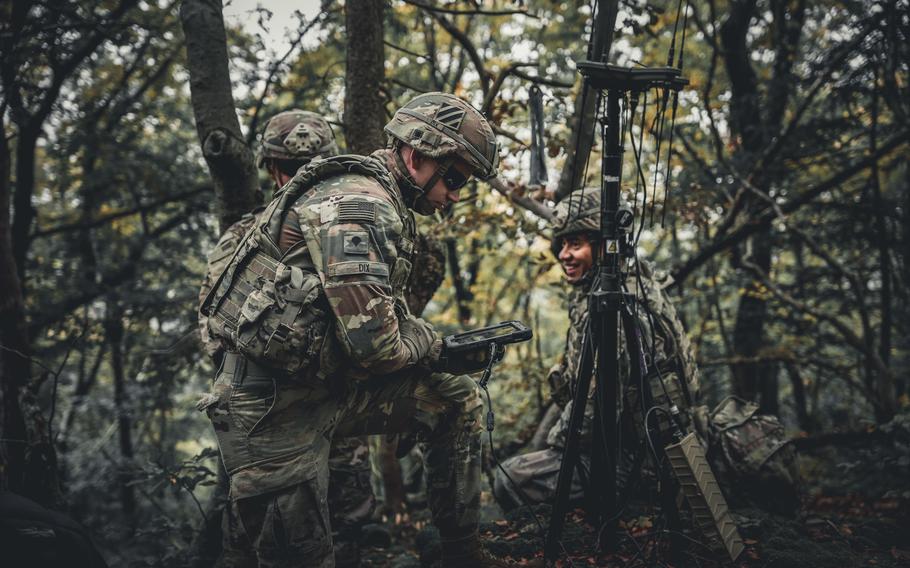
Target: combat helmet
[
  {"x": 577, "y": 213},
  {"x": 439, "y": 125},
  {"x": 296, "y": 135}
]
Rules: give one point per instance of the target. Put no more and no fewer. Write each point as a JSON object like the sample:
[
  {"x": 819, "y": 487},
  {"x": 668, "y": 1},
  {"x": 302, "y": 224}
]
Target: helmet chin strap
[{"x": 411, "y": 190}]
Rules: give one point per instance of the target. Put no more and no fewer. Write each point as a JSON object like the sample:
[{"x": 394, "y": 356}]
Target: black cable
[
  {"x": 661, "y": 119},
  {"x": 682, "y": 46},
  {"x": 633, "y": 105},
  {"x": 490, "y": 424},
  {"x": 655, "y": 321},
  {"x": 670, "y": 52},
  {"x": 636, "y": 151},
  {"x": 657, "y": 460},
  {"x": 663, "y": 213}
]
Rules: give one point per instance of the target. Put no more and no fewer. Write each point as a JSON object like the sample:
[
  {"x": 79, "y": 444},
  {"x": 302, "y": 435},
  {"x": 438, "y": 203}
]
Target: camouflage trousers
[
  {"x": 351, "y": 505},
  {"x": 532, "y": 477},
  {"x": 275, "y": 436},
  {"x": 535, "y": 474}
]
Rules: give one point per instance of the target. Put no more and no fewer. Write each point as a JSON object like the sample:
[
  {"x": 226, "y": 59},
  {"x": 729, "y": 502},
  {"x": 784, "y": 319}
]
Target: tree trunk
[
  {"x": 748, "y": 337},
  {"x": 113, "y": 327},
  {"x": 887, "y": 391},
  {"x": 364, "y": 111},
  {"x": 583, "y": 123},
  {"x": 902, "y": 380},
  {"x": 14, "y": 365},
  {"x": 28, "y": 464},
  {"x": 755, "y": 122},
  {"x": 22, "y": 201},
  {"x": 229, "y": 159},
  {"x": 799, "y": 397},
  {"x": 748, "y": 332}
]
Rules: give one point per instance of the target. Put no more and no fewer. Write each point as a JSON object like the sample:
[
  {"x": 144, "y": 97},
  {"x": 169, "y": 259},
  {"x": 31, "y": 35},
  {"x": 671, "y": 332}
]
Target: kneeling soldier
[{"x": 323, "y": 345}]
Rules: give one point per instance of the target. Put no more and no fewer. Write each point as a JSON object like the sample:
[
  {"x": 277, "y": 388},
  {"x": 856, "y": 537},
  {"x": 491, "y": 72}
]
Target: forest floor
[{"x": 855, "y": 511}]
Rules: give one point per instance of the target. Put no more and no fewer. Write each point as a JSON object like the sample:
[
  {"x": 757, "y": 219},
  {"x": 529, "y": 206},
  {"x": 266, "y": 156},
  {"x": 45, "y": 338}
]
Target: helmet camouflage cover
[
  {"x": 578, "y": 213},
  {"x": 440, "y": 125},
  {"x": 296, "y": 135}
]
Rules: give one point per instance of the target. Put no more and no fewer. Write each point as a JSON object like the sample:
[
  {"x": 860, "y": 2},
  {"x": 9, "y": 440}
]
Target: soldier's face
[
  {"x": 576, "y": 257},
  {"x": 423, "y": 168},
  {"x": 440, "y": 196}
]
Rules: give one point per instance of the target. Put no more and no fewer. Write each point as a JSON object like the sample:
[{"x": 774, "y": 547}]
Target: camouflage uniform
[
  {"x": 374, "y": 372},
  {"x": 297, "y": 136},
  {"x": 668, "y": 355},
  {"x": 217, "y": 260}
]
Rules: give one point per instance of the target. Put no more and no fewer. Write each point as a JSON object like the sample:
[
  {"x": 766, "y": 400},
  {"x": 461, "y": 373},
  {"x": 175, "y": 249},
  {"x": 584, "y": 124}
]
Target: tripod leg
[{"x": 571, "y": 449}]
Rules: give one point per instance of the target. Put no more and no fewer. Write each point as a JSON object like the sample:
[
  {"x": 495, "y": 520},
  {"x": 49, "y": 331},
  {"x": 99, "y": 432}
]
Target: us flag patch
[{"x": 357, "y": 211}]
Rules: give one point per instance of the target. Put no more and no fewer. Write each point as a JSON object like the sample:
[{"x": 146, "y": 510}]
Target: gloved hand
[
  {"x": 464, "y": 362},
  {"x": 418, "y": 336}
]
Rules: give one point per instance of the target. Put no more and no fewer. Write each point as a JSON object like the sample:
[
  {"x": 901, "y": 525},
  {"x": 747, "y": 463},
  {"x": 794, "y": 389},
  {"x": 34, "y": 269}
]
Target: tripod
[{"x": 608, "y": 305}]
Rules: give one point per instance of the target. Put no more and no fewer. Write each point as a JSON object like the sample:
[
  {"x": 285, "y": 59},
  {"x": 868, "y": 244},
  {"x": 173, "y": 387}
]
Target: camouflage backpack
[
  {"x": 750, "y": 453},
  {"x": 274, "y": 313}
]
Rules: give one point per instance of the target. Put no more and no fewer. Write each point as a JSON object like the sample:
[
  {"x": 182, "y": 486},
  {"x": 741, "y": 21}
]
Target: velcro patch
[
  {"x": 357, "y": 212},
  {"x": 349, "y": 268},
  {"x": 356, "y": 242}
]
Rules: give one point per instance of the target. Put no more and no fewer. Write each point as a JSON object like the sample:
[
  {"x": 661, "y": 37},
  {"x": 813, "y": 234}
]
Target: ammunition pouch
[{"x": 273, "y": 313}]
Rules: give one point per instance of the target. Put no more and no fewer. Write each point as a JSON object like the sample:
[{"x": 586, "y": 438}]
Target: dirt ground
[{"x": 855, "y": 511}]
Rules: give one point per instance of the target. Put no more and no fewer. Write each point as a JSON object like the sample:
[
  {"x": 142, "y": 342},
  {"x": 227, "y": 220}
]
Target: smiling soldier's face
[{"x": 576, "y": 257}]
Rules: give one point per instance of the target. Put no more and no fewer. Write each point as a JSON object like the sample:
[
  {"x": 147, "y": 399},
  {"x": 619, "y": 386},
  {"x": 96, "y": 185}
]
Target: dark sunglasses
[{"x": 453, "y": 178}]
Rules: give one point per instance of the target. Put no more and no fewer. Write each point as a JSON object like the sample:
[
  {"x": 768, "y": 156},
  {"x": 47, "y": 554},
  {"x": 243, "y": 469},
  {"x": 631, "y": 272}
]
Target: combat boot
[{"x": 468, "y": 552}]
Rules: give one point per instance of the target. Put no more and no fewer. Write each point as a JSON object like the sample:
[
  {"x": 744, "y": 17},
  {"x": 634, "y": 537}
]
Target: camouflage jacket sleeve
[{"x": 358, "y": 231}]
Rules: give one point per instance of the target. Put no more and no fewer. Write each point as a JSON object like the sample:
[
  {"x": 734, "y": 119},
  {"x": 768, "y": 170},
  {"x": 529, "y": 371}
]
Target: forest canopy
[{"x": 776, "y": 211}]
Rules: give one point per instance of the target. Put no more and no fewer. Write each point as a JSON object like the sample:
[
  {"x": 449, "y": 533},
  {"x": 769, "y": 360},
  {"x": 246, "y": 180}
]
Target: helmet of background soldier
[
  {"x": 296, "y": 135},
  {"x": 440, "y": 125},
  {"x": 577, "y": 213}
]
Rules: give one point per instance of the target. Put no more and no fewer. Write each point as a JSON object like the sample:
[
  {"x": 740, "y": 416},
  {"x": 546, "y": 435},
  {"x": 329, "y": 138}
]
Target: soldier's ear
[{"x": 412, "y": 158}]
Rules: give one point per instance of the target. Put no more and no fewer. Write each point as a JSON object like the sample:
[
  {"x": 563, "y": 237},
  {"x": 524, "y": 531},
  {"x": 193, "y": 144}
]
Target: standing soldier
[
  {"x": 291, "y": 140},
  {"x": 322, "y": 344},
  {"x": 671, "y": 362}
]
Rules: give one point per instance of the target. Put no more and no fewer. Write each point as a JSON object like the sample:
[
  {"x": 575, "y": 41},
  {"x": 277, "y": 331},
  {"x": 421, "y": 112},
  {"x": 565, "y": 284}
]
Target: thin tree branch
[
  {"x": 105, "y": 219},
  {"x": 511, "y": 193},
  {"x": 747, "y": 229},
  {"x": 477, "y": 11}
]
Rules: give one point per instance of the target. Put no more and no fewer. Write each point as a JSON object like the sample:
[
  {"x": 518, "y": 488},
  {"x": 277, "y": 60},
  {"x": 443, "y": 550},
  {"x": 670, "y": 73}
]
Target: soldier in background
[
  {"x": 671, "y": 363},
  {"x": 291, "y": 140},
  {"x": 752, "y": 458}
]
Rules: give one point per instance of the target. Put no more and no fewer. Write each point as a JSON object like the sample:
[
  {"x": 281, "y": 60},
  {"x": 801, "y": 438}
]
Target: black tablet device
[{"x": 501, "y": 333}]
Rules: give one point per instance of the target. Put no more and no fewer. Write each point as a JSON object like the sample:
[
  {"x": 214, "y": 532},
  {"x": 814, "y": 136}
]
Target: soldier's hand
[
  {"x": 464, "y": 362},
  {"x": 419, "y": 337}
]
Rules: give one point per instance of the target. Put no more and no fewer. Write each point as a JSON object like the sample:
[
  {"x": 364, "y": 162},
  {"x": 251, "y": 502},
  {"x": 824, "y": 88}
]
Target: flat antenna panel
[{"x": 703, "y": 494}]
